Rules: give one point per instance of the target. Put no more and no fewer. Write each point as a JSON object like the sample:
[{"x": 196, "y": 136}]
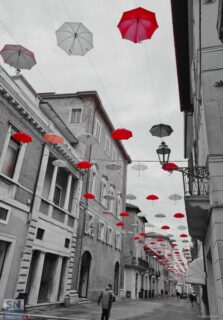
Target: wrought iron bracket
[{"x": 195, "y": 172}]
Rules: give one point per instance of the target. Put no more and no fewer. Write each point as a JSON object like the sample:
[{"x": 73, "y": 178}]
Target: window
[
  {"x": 103, "y": 201},
  {"x": 118, "y": 241},
  {"x": 111, "y": 203},
  {"x": 40, "y": 233},
  {"x": 101, "y": 231},
  {"x": 11, "y": 156},
  {"x": 57, "y": 195},
  {"x": 75, "y": 116},
  {"x": 119, "y": 204},
  {"x": 109, "y": 236},
  {"x": 67, "y": 243},
  {"x": 114, "y": 154},
  {"x": 4, "y": 213},
  {"x": 97, "y": 130},
  {"x": 3, "y": 252},
  {"x": 93, "y": 181},
  {"x": 107, "y": 146},
  {"x": 89, "y": 224}
]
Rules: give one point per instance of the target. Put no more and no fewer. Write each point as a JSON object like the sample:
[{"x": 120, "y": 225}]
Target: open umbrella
[
  {"x": 53, "y": 138},
  {"x": 113, "y": 166},
  {"x": 140, "y": 167},
  {"x": 175, "y": 197},
  {"x": 138, "y": 24},
  {"x": 121, "y": 134},
  {"x": 84, "y": 165},
  {"x": 87, "y": 139},
  {"x": 22, "y": 137},
  {"x": 161, "y": 130},
  {"x": 130, "y": 196},
  {"x": 18, "y": 57},
  {"x": 74, "y": 38}
]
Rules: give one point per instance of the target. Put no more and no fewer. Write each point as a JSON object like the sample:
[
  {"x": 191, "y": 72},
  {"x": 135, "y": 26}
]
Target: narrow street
[{"x": 168, "y": 309}]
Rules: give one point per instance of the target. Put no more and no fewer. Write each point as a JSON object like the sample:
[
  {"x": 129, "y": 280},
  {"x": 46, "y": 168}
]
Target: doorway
[
  {"x": 136, "y": 285},
  {"x": 116, "y": 279},
  {"x": 84, "y": 274}
]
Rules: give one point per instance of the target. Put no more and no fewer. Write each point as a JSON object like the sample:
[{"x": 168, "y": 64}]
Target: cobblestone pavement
[{"x": 167, "y": 309}]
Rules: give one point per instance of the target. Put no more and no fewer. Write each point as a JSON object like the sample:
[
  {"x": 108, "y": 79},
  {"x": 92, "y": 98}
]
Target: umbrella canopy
[
  {"x": 170, "y": 166},
  {"x": 161, "y": 130},
  {"x": 109, "y": 196},
  {"x": 53, "y": 138},
  {"x": 113, "y": 166},
  {"x": 179, "y": 215},
  {"x": 87, "y": 139},
  {"x": 175, "y": 197},
  {"x": 121, "y": 134},
  {"x": 18, "y": 56},
  {"x": 160, "y": 215},
  {"x": 89, "y": 195},
  {"x": 181, "y": 227},
  {"x": 107, "y": 212},
  {"x": 136, "y": 238},
  {"x": 120, "y": 224},
  {"x": 123, "y": 214},
  {"x": 22, "y": 137},
  {"x": 59, "y": 163},
  {"x": 138, "y": 24},
  {"x": 84, "y": 165},
  {"x": 165, "y": 227},
  {"x": 130, "y": 196},
  {"x": 74, "y": 38},
  {"x": 152, "y": 197}
]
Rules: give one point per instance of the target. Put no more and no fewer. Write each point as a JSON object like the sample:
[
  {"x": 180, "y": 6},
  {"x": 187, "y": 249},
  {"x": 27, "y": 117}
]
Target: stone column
[
  {"x": 68, "y": 189},
  {"x": 37, "y": 275},
  {"x": 53, "y": 184},
  {"x": 56, "y": 279},
  {"x": 5, "y": 147},
  {"x": 19, "y": 162}
]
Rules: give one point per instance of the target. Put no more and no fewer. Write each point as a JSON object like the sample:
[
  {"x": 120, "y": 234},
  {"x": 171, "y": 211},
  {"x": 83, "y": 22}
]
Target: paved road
[{"x": 167, "y": 309}]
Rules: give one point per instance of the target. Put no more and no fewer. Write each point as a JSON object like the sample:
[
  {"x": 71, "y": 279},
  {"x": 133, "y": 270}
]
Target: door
[
  {"x": 116, "y": 279},
  {"x": 84, "y": 274},
  {"x": 136, "y": 285}
]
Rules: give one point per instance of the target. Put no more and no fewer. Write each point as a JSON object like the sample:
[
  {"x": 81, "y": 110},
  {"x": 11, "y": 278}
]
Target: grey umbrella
[{"x": 161, "y": 130}]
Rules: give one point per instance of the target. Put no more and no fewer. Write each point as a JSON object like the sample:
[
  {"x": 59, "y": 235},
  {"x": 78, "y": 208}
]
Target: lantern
[{"x": 163, "y": 152}]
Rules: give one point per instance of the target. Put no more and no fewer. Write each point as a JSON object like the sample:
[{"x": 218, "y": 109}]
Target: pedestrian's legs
[
  {"x": 103, "y": 315},
  {"x": 107, "y": 314}
]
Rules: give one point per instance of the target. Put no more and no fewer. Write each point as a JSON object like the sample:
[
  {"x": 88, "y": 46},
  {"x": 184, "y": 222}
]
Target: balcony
[
  {"x": 196, "y": 195},
  {"x": 140, "y": 264}
]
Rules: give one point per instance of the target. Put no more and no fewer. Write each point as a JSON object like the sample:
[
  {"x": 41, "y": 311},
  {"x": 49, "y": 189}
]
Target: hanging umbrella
[
  {"x": 185, "y": 241},
  {"x": 175, "y": 197},
  {"x": 136, "y": 238},
  {"x": 170, "y": 166},
  {"x": 87, "y": 139},
  {"x": 120, "y": 224},
  {"x": 183, "y": 235},
  {"x": 84, "y": 165},
  {"x": 145, "y": 247},
  {"x": 121, "y": 134},
  {"x": 170, "y": 235},
  {"x": 74, "y": 38},
  {"x": 165, "y": 227},
  {"x": 130, "y": 196},
  {"x": 123, "y": 214},
  {"x": 181, "y": 227},
  {"x": 160, "y": 240},
  {"x": 18, "y": 57},
  {"x": 109, "y": 197},
  {"x": 107, "y": 212},
  {"x": 161, "y": 130},
  {"x": 22, "y": 137},
  {"x": 179, "y": 215},
  {"x": 138, "y": 24},
  {"x": 160, "y": 215},
  {"x": 113, "y": 166},
  {"x": 139, "y": 167},
  {"x": 53, "y": 138},
  {"x": 89, "y": 195},
  {"x": 152, "y": 242},
  {"x": 152, "y": 197},
  {"x": 143, "y": 234},
  {"x": 149, "y": 225},
  {"x": 59, "y": 163}
]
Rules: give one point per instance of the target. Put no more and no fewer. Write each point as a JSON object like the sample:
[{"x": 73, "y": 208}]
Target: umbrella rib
[
  {"x": 65, "y": 31},
  {"x": 64, "y": 40},
  {"x": 86, "y": 40},
  {"x": 6, "y": 60},
  {"x": 80, "y": 46}
]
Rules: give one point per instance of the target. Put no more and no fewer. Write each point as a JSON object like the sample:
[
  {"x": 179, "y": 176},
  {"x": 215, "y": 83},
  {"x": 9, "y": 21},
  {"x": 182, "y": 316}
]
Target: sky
[{"x": 137, "y": 83}]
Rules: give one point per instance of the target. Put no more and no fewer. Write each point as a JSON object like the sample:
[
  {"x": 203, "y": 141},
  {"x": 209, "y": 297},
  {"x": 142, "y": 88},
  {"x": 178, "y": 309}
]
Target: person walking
[
  {"x": 193, "y": 298},
  {"x": 178, "y": 295},
  {"x": 161, "y": 293},
  {"x": 106, "y": 298}
]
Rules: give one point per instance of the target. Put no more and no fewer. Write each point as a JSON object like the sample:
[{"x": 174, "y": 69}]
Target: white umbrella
[
  {"x": 109, "y": 197},
  {"x": 87, "y": 139},
  {"x": 113, "y": 166},
  {"x": 130, "y": 196},
  {"x": 59, "y": 163},
  {"x": 74, "y": 38}
]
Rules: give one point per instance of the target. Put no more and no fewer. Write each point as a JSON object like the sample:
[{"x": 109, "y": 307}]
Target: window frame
[
  {"x": 70, "y": 117},
  {"x": 109, "y": 235},
  {"x": 87, "y": 228},
  {"x": 118, "y": 241},
  {"x": 101, "y": 226},
  {"x": 97, "y": 125},
  {"x": 8, "y": 213},
  {"x": 61, "y": 190},
  {"x": 107, "y": 143}
]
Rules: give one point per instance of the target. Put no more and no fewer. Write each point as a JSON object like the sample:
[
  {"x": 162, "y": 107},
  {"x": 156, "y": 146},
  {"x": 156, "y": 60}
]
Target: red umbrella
[
  {"x": 120, "y": 224},
  {"x": 170, "y": 166},
  {"x": 183, "y": 235},
  {"x": 22, "y": 137},
  {"x": 152, "y": 197},
  {"x": 179, "y": 215},
  {"x": 123, "y": 214},
  {"x": 136, "y": 238},
  {"x": 89, "y": 195},
  {"x": 152, "y": 242},
  {"x": 138, "y": 24},
  {"x": 53, "y": 138},
  {"x": 160, "y": 240},
  {"x": 165, "y": 227},
  {"x": 159, "y": 251},
  {"x": 169, "y": 255},
  {"x": 145, "y": 247},
  {"x": 121, "y": 134},
  {"x": 143, "y": 234},
  {"x": 84, "y": 165}
]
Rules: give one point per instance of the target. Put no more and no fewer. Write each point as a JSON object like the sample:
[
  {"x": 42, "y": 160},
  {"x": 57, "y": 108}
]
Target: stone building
[
  {"x": 39, "y": 197},
  {"x": 136, "y": 275},
  {"x": 198, "y": 35},
  {"x": 98, "y": 259}
]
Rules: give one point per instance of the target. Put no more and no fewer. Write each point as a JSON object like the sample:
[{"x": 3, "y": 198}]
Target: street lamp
[{"x": 163, "y": 152}]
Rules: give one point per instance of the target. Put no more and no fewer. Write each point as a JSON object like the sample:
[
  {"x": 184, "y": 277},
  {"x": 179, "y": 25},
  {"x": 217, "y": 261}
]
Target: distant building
[
  {"x": 40, "y": 192},
  {"x": 98, "y": 258},
  {"x": 198, "y": 35}
]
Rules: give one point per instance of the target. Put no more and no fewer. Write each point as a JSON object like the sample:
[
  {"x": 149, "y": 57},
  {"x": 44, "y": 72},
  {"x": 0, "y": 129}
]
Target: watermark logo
[{"x": 13, "y": 305}]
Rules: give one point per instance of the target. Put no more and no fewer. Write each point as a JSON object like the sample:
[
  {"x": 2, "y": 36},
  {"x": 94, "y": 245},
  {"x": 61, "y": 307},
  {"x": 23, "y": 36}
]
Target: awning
[{"x": 195, "y": 272}]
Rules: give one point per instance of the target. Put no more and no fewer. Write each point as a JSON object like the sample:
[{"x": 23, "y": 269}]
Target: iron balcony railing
[{"x": 196, "y": 181}]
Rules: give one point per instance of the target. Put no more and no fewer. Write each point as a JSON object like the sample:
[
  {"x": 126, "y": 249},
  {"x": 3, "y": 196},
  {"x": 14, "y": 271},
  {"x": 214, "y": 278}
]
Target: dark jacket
[{"x": 106, "y": 298}]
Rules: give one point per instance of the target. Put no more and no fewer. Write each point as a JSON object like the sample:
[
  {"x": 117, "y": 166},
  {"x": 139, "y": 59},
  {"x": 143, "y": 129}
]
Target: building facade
[
  {"x": 98, "y": 259},
  {"x": 40, "y": 192},
  {"x": 199, "y": 55}
]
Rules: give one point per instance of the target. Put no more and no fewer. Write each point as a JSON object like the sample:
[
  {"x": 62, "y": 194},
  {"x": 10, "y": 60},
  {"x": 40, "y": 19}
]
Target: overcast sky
[{"x": 139, "y": 79}]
